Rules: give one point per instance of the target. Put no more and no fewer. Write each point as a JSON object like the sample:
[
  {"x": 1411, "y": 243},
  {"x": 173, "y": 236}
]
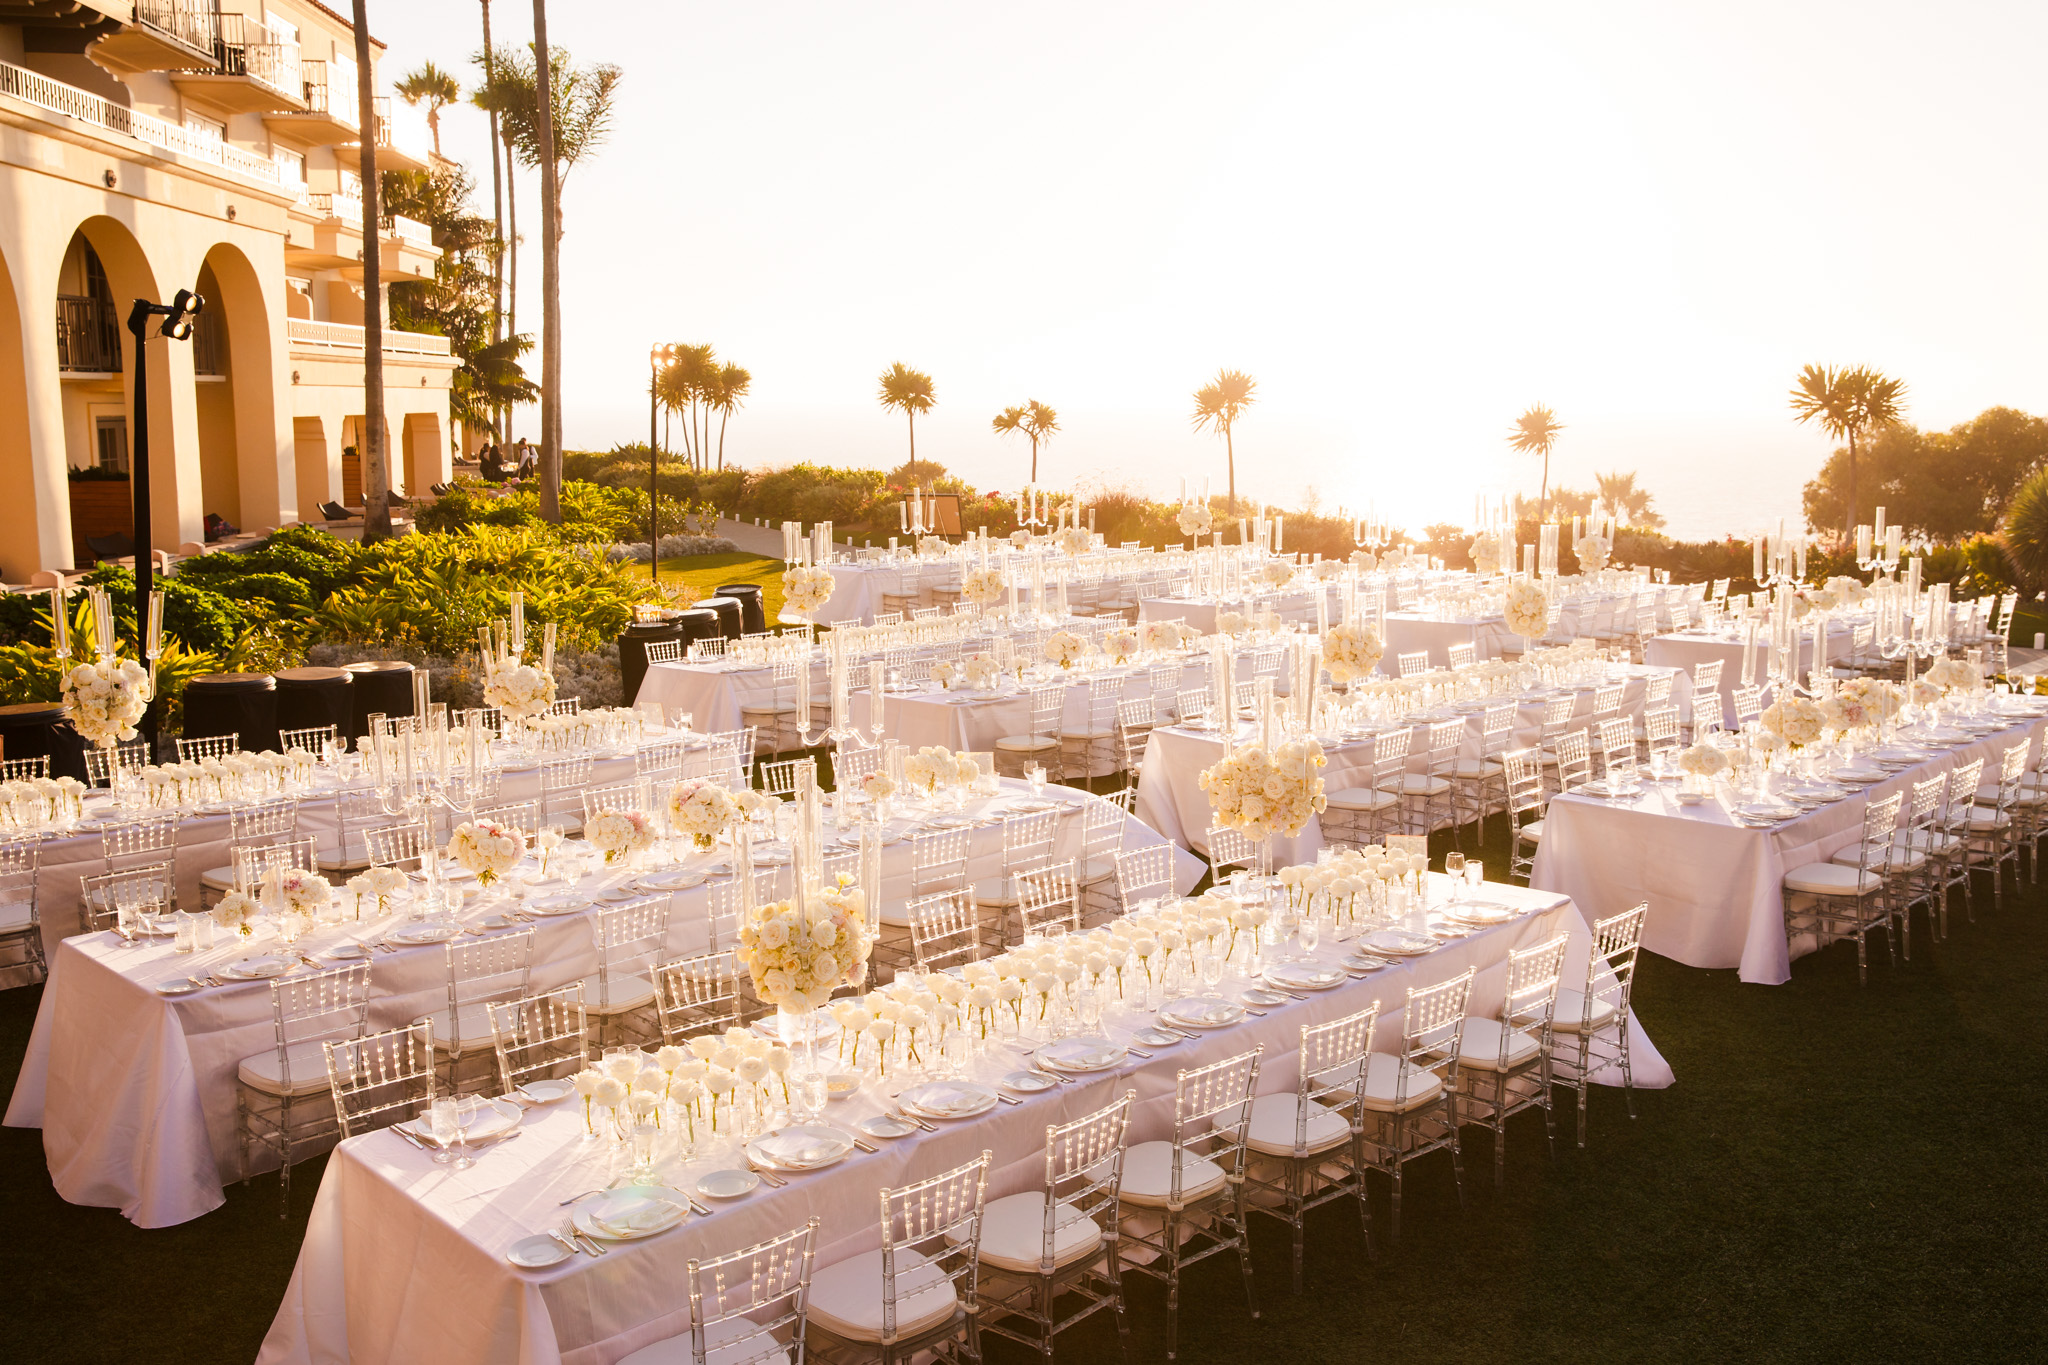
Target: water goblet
[
  {"x": 1088, "y": 1005},
  {"x": 1310, "y": 932},
  {"x": 442, "y": 1123},
  {"x": 467, "y": 1107},
  {"x": 1454, "y": 868},
  {"x": 1209, "y": 963}
]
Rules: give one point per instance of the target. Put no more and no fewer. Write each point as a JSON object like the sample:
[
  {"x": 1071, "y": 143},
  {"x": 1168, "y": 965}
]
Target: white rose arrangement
[
  {"x": 701, "y": 809},
  {"x": 1527, "y": 609},
  {"x": 1075, "y": 541},
  {"x": 1880, "y": 699},
  {"x": 930, "y": 766},
  {"x": 1703, "y": 761},
  {"x": 878, "y": 786},
  {"x": 983, "y": 586},
  {"x": 1352, "y": 651},
  {"x": 1231, "y": 623},
  {"x": 107, "y": 699},
  {"x": 944, "y": 671},
  {"x": 1275, "y": 573},
  {"x": 298, "y": 891},
  {"x": 1848, "y": 592},
  {"x": 487, "y": 848},
  {"x": 1795, "y": 720},
  {"x": 1121, "y": 642},
  {"x": 1363, "y": 561},
  {"x": 1326, "y": 570},
  {"x": 1162, "y": 636},
  {"x": 1020, "y": 539},
  {"x": 979, "y": 671},
  {"x": 806, "y": 588},
  {"x": 237, "y": 910},
  {"x": 518, "y": 690},
  {"x": 1845, "y": 711},
  {"x": 1592, "y": 552},
  {"x": 1065, "y": 648},
  {"x": 1263, "y": 794},
  {"x": 796, "y": 960},
  {"x": 932, "y": 547},
  {"x": 616, "y": 833},
  {"x": 1397, "y": 559},
  {"x": 1194, "y": 520},
  {"x": 1485, "y": 550},
  {"x": 1954, "y": 675}
]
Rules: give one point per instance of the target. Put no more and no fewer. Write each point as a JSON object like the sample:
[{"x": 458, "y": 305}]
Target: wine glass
[
  {"x": 467, "y": 1107},
  {"x": 1454, "y": 867},
  {"x": 1035, "y": 775},
  {"x": 1209, "y": 964},
  {"x": 1088, "y": 1004},
  {"x": 443, "y": 1124},
  {"x": 1310, "y": 933}
]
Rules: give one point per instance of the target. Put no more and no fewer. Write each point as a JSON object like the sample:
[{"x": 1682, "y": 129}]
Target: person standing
[{"x": 529, "y": 461}]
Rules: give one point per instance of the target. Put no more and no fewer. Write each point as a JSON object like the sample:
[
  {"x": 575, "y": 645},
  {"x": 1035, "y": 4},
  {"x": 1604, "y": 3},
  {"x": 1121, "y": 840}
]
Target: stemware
[
  {"x": 466, "y": 1109},
  {"x": 442, "y": 1123}
]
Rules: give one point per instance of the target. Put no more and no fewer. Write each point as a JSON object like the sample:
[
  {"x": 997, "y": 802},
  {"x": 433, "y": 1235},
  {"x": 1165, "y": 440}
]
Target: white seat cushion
[
  {"x": 1361, "y": 798},
  {"x": 1095, "y": 870},
  {"x": 846, "y": 1299},
  {"x": 1013, "y": 1233},
  {"x": 14, "y": 919},
  {"x": 1930, "y": 841},
  {"x": 1469, "y": 769},
  {"x": 1275, "y": 1125},
  {"x": 1148, "y": 1175},
  {"x": 627, "y": 993},
  {"x": 1832, "y": 879},
  {"x": 308, "y": 1062},
  {"x": 1027, "y": 744},
  {"x": 1000, "y": 892},
  {"x": 1416, "y": 784},
  {"x": 1382, "y": 1073},
  {"x": 1982, "y": 820},
  {"x": 1531, "y": 833},
  {"x": 1087, "y": 736},
  {"x": 730, "y": 1342},
  {"x": 768, "y": 710},
  {"x": 1479, "y": 1043},
  {"x": 475, "y": 1032},
  {"x": 1904, "y": 858},
  {"x": 218, "y": 879},
  {"x": 1568, "y": 1015}
]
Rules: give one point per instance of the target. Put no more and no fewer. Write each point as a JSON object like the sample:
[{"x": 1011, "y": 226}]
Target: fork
[
  {"x": 575, "y": 1248},
  {"x": 773, "y": 1179}
]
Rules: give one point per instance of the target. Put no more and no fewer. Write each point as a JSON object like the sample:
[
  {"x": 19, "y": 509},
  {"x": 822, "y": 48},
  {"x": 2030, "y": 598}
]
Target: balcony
[
  {"x": 104, "y": 115},
  {"x": 335, "y": 241},
  {"x": 345, "y": 340},
  {"x": 327, "y": 114},
  {"x": 395, "y": 153},
  {"x": 88, "y": 335},
  {"x": 253, "y": 72},
  {"x": 166, "y": 35}
]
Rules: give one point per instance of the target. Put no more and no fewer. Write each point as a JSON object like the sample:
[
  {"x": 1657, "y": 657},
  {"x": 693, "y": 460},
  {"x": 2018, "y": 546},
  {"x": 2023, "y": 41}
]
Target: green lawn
[
  {"x": 706, "y": 572},
  {"x": 1842, "y": 1173}
]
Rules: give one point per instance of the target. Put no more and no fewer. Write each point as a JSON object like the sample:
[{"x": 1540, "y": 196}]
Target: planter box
[{"x": 99, "y": 507}]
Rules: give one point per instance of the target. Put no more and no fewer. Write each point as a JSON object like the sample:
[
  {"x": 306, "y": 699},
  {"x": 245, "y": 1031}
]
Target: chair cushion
[
  {"x": 627, "y": 993},
  {"x": 1000, "y": 892},
  {"x": 735, "y": 1341},
  {"x": 1027, "y": 744},
  {"x": 218, "y": 879},
  {"x": 1832, "y": 879},
  {"x": 15, "y": 919},
  {"x": 1148, "y": 1175},
  {"x": 1013, "y": 1233},
  {"x": 1274, "y": 1125},
  {"x": 1904, "y": 857},
  {"x": 1416, "y": 784},
  {"x": 846, "y": 1298},
  {"x": 1531, "y": 833},
  {"x": 475, "y": 1019},
  {"x": 1479, "y": 1043},
  {"x": 1361, "y": 798},
  {"x": 1087, "y": 736},
  {"x": 1568, "y": 1015},
  {"x": 1095, "y": 870},
  {"x": 1983, "y": 820},
  {"x": 1382, "y": 1072},
  {"x": 308, "y": 1063},
  {"x": 1471, "y": 769}
]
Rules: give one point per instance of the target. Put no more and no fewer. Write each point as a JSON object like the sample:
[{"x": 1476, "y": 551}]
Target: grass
[
  {"x": 1841, "y": 1173},
  {"x": 706, "y": 572}
]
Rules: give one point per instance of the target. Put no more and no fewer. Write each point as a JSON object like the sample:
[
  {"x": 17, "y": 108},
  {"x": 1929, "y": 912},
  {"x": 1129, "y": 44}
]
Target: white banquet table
[
  {"x": 1685, "y": 649},
  {"x": 404, "y": 1261},
  {"x": 714, "y": 693},
  {"x": 135, "y": 1091},
  {"x": 1714, "y": 887},
  {"x": 1408, "y": 631}
]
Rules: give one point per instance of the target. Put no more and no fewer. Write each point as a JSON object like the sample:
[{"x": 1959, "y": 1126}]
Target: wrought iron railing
[{"x": 88, "y": 335}]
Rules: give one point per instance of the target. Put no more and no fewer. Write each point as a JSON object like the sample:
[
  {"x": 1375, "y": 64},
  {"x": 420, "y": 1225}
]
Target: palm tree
[
  {"x": 1012, "y": 420},
  {"x": 1534, "y": 433},
  {"x": 433, "y": 87},
  {"x": 733, "y": 383},
  {"x": 1035, "y": 420},
  {"x": 1848, "y": 404},
  {"x": 1621, "y": 499},
  {"x": 1218, "y": 405},
  {"x": 376, "y": 459},
  {"x": 909, "y": 392},
  {"x": 497, "y": 217}
]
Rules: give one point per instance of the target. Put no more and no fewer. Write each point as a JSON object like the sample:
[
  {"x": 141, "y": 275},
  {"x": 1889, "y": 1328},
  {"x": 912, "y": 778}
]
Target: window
[
  {"x": 112, "y": 435},
  {"x": 291, "y": 168},
  {"x": 203, "y": 131}
]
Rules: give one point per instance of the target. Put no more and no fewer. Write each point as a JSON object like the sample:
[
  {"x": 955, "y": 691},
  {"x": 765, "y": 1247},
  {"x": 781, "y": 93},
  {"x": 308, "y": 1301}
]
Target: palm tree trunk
[
  {"x": 1230, "y": 458},
  {"x": 1034, "y": 459},
  {"x": 376, "y": 459},
  {"x": 1849, "y": 504},
  {"x": 1544, "y": 496},
  {"x": 723, "y": 416},
  {"x": 497, "y": 222},
  {"x": 550, "y": 271},
  {"x": 512, "y": 256},
  {"x": 912, "y": 415}
]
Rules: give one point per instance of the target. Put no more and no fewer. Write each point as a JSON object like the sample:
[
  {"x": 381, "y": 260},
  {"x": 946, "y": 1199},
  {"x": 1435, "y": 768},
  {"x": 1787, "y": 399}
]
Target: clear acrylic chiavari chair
[
  {"x": 945, "y": 930},
  {"x": 1040, "y": 744},
  {"x": 747, "y": 1307},
  {"x": 1838, "y": 900},
  {"x": 21, "y": 926},
  {"x": 1228, "y": 848},
  {"x": 145, "y": 839},
  {"x": 24, "y": 769},
  {"x": 544, "y": 1037},
  {"x": 101, "y": 763},
  {"x": 1028, "y": 842},
  {"x": 382, "y": 1078},
  {"x": 1947, "y": 842},
  {"x": 396, "y": 845},
  {"x": 1913, "y": 872},
  {"x": 699, "y": 994},
  {"x": 211, "y": 746},
  {"x": 664, "y": 652},
  {"x": 282, "y": 1094},
  {"x": 1993, "y": 836},
  {"x": 481, "y": 972},
  {"x": 1408, "y": 1099},
  {"x": 562, "y": 781},
  {"x": 630, "y": 939},
  {"x": 1504, "y": 1063},
  {"x": 1048, "y": 901},
  {"x": 129, "y": 898},
  {"x": 1144, "y": 874},
  {"x": 1590, "y": 1027},
  {"x": 1369, "y": 812},
  {"x": 1526, "y": 803}
]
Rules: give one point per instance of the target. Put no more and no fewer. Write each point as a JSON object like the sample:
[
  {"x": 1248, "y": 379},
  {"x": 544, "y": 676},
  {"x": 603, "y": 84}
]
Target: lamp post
[
  {"x": 177, "y": 318},
  {"x": 657, "y": 357}
]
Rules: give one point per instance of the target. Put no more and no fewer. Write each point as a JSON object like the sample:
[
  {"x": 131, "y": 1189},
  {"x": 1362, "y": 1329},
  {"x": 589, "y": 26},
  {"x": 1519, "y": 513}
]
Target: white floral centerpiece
[
  {"x": 1065, "y": 648},
  {"x": 932, "y": 547},
  {"x": 701, "y": 809},
  {"x": 1232, "y": 623},
  {"x": 1794, "y": 720},
  {"x": 1846, "y": 711},
  {"x": 878, "y": 786},
  {"x": 806, "y": 589},
  {"x": 297, "y": 891},
  {"x": 1849, "y": 592},
  {"x": 1527, "y": 609},
  {"x": 518, "y": 690},
  {"x": 1881, "y": 700},
  {"x": 979, "y": 671},
  {"x": 1020, "y": 539},
  {"x": 1195, "y": 520},
  {"x": 1363, "y": 561},
  {"x": 928, "y": 767},
  {"x": 1954, "y": 675},
  {"x": 1275, "y": 573},
  {"x": 487, "y": 848},
  {"x": 1120, "y": 642},
  {"x": 1161, "y": 637},
  {"x": 1075, "y": 540},
  {"x": 618, "y": 833},
  {"x": 796, "y": 960},
  {"x": 1264, "y": 794},
  {"x": 983, "y": 586},
  {"x": 944, "y": 671},
  {"x": 1325, "y": 570},
  {"x": 107, "y": 699},
  {"x": 1592, "y": 552},
  {"x": 1702, "y": 763},
  {"x": 237, "y": 911},
  {"x": 1352, "y": 651},
  {"x": 1485, "y": 550}
]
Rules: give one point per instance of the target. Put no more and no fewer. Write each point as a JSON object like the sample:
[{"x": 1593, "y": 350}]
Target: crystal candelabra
[
  {"x": 839, "y": 727},
  {"x": 1878, "y": 547}
]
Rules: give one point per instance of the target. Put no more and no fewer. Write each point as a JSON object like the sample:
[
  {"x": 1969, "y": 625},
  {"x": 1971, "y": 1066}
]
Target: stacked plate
[
  {"x": 673, "y": 879},
  {"x": 426, "y": 931},
  {"x": 1478, "y": 912},
  {"x": 1399, "y": 943},
  {"x": 562, "y": 903},
  {"x": 631, "y": 1212},
  {"x": 259, "y": 968},
  {"x": 1304, "y": 976},
  {"x": 947, "y": 1100},
  {"x": 1197, "y": 1011},
  {"x": 1081, "y": 1054},
  {"x": 800, "y": 1147},
  {"x": 494, "y": 1118}
]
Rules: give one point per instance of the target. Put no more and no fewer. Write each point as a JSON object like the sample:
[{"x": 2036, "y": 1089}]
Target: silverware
[
  {"x": 1006, "y": 1099},
  {"x": 865, "y": 1145},
  {"x": 585, "y": 1195},
  {"x": 1137, "y": 1053},
  {"x": 697, "y": 1206},
  {"x": 758, "y": 1169},
  {"x": 589, "y": 1243},
  {"x": 409, "y": 1137},
  {"x": 1249, "y": 1010},
  {"x": 574, "y": 1248}
]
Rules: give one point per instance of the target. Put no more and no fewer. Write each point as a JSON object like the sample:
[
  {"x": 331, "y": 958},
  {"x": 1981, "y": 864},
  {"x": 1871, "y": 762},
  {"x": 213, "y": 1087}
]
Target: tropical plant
[
  {"x": 1942, "y": 485},
  {"x": 1218, "y": 405},
  {"x": 433, "y": 87},
  {"x": 1534, "y": 433},
  {"x": 1847, "y": 404},
  {"x": 2025, "y": 533},
  {"x": 909, "y": 392},
  {"x": 1620, "y": 498},
  {"x": 1035, "y": 420},
  {"x": 727, "y": 397}
]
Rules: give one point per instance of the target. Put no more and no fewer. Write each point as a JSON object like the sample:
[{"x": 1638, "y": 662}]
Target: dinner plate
[
  {"x": 631, "y": 1212},
  {"x": 1479, "y": 912},
  {"x": 1861, "y": 776},
  {"x": 1156, "y": 1037},
  {"x": 564, "y": 903},
  {"x": 674, "y": 879},
  {"x": 1028, "y": 1082},
  {"x": 259, "y": 968},
  {"x": 1197, "y": 1011},
  {"x": 728, "y": 1184},
  {"x": 496, "y": 1118},
  {"x": 618, "y": 895},
  {"x": 537, "y": 1253},
  {"x": 1033, "y": 807},
  {"x": 1080, "y": 1054},
  {"x": 347, "y": 952},
  {"x": 427, "y": 931},
  {"x": 183, "y": 985},
  {"x": 771, "y": 858},
  {"x": 948, "y": 1100},
  {"x": 1399, "y": 943},
  {"x": 546, "y": 1092},
  {"x": 800, "y": 1147},
  {"x": 1304, "y": 976},
  {"x": 497, "y": 921},
  {"x": 1365, "y": 962},
  {"x": 1260, "y": 996},
  {"x": 888, "y": 1125}
]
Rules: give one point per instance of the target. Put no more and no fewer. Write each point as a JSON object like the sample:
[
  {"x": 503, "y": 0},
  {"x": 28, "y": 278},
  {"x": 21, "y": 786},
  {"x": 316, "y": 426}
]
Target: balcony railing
[
  {"x": 31, "y": 87},
  {"x": 345, "y": 336},
  {"x": 247, "y": 47},
  {"x": 409, "y": 230},
  {"x": 88, "y": 335},
  {"x": 347, "y": 207},
  {"x": 337, "y": 101},
  {"x": 183, "y": 21},
  {"x": 209, "y": 355}
]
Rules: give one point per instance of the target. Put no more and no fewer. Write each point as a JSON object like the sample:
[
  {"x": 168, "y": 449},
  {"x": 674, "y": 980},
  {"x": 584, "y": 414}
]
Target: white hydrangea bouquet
[
  {"x": 1363, "y": 561},
  {"x": 701, "y": 809},
  {"x": 619, "y": 833},
  {"x": 237, "y": 911},
  {"x": 1352, "y": 651},
  {"x": 518, "y": 690},
  {"x": 1231, "y": 623},
  {"x": 933, "y": 547},
  {"x": 935, "y": 765},
  {"x": 1195, "y": 520},
  {"x": 1848, "y": 592},
  {"x": 1266, "y": 794},
  {"x": 1954, "y": 675},
  {"x": 1880, "y": 699},
  {"x": 1075, "y": 540},
  {"x": 1846, "y": 711},
  {"x": 796, "y": 959},
  {"x": 107, "y": 699},
  {"x": 1065, "y": 648},
  {"x": 1275, "y": 573},
  {"x": 1485, "y": 552},
  {"x": 1795, "y": 720},
  {"x": 1701, "y": 764},
  {"x": 487, "y": 848},
  {"x": 1527, "y": 609},
  {"x": 806, "y": 589},
  {"x": 979, "y": 671},
  {"x": 1120, "y": 642},
  {"x": 1162, "y": 637},
  {"x": 1592, "y": 552},
  {"x": 983, "y": 586}
]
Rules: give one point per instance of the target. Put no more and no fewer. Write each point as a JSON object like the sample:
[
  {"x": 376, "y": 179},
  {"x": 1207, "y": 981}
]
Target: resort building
[{"x": 152, "y": 145}]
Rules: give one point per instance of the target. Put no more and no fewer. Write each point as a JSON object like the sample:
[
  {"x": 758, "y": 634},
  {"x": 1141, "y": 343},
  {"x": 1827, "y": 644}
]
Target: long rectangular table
[
  {"x": 135, "y": 1091},
  {"x": 451, "y": 1295}
]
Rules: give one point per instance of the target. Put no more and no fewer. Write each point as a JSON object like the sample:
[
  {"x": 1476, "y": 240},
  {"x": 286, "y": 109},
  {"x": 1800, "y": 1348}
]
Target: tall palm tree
[
  {"x": 1848, "y": 404},
  {"x": 376, "y": 459},
  {"x": 1035, "y": 420},
  {"x": 1011, "y": 420},
  {"x": 1534, "y": 433},
  {"x": 733, "y": 383},
  {"x": 497, "y": 218},
  {"x": 1218, "y": 405},
  {"x": 436, "y": 89},
  {"x": 909, "y": 392},
  {"x": 550, "y": 272}
]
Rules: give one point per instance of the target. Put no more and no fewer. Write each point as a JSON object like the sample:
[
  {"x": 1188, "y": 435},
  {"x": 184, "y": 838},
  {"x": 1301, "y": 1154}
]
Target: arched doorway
[
  {"x": 245, "y": 473},
  {"x": 20, "y": 548}
]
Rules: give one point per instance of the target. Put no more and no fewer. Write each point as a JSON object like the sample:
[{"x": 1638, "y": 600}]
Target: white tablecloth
[
  {"x": 1409, "y": 631},
  {"x": 1715, "y": 888},
  {"x": 135, "y": 1091},
  {"x": 404, "y": 1260},
  {"x": 1690, "y": 648}
]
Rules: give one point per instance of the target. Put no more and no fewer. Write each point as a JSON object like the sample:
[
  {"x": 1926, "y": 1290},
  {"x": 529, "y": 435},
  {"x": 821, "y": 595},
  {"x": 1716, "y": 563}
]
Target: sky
[{"x": 1407, "y": 222}]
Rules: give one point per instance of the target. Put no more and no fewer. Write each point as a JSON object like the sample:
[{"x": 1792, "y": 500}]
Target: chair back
[
  {"x": 779, "y": 779},
  {"x": 1880, "y": 825},
  {"x": 263, "y": 822},
  {"x": 1212, "y": 1117},
  {"x": 113, "y": 900},
  {"x": 211, "y": 746},
  {"x": 763, "y": 1291},
  {"x": 1049, "y": 900},
  {"x": 1084, "y": 1173},
  {"x": 1530, "y": 995},
  {"x": 255, "y": 864},
  {"x": 1611, "y": 964},
  {"x": 945, "y": 930},
  {"x": 1229, "y": 848},
  {"x": 1431, "y": 1026},
  {"x": 1657, "y": 689},
  {"x": 523, "y": 816},
  {"x": 624, "y": 797},
  {"x": 395, "y": 844},
  {"x": 660, "y": 761},
  {"x": 1574, "y": 759},
  {"x": 1617, "y": 749},
  {"x": 24, "y": 769},
  {"x": 324, "y": 1006},
  {"x": 934, "y": 1223},
  {"x": 1706, "y": 713},
  {"x": 938, "y": 862},
  {"x": 1463, "y": 654},
  {"x": 1047, "y": 703},
  {"x": 664, "y": 652},
  {"x": 851, "y": 764},
  {"x": 1496, "y": 727},
  {"x": 312, "y": 739},
  {"x": 1333, "y": 1058},
  {"x": 145, "y": 839},
  {"x": 1660, "y": 729},
  {"x": 1749, "y": 704},
  {"x": 1390, "y": 754},
  {"x": 101, "y": 763},
  {"x": 1413, "y": 662},
  {"x": 1445, "y": 738},
  {"x": 1144, "y": 873},
  {"x": 559, "y": 777},
  {"x": 1607, "y": 699},
  {"x": 540, "y": 1037},
  {"x": 629, "y": 941},
  {"x": 484, "y": 970},
  {"x": 20, "y": 857},
  {"x": 1524, "y": 782},
  {"x": 383, "y": 1079},
  {"x": 1557, "y": 713},
  {"x": 698, "y": 995}
]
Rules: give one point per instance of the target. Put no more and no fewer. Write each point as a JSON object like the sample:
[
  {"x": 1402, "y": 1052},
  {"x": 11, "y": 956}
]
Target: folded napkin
[{"x": 634, "y": 1215}]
